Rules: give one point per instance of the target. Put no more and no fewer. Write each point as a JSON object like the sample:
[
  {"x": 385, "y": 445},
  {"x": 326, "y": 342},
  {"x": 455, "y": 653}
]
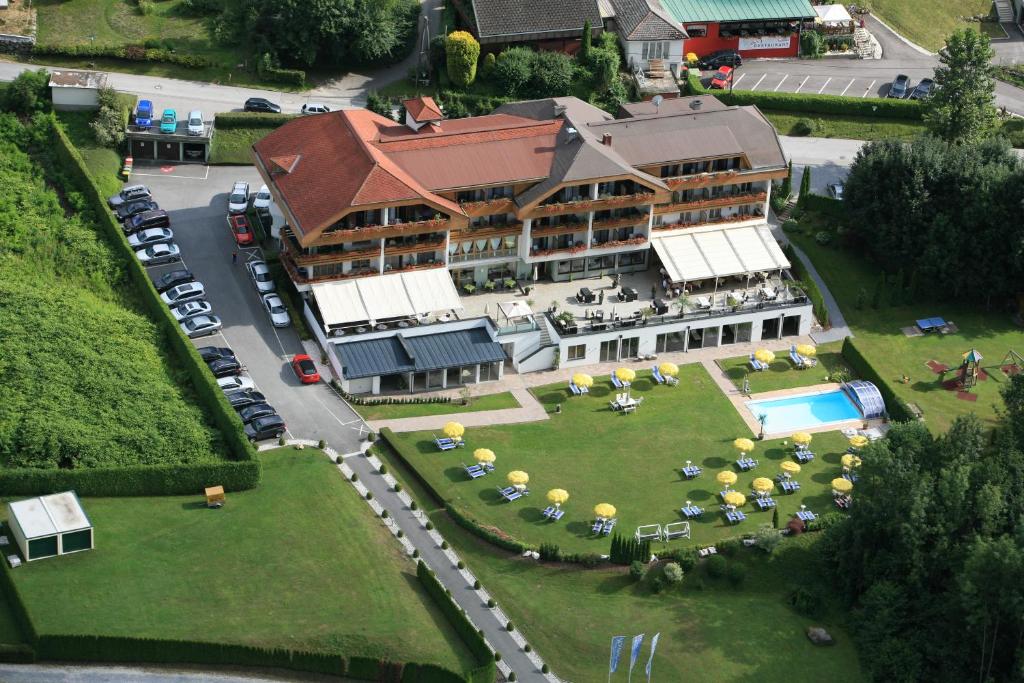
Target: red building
[{"x": 755, "y": 28}]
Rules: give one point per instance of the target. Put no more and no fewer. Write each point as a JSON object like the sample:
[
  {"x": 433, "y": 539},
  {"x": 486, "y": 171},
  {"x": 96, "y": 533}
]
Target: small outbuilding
[
  {"x": 50, "y": 525},
  {"x": 76, "y": 90}
]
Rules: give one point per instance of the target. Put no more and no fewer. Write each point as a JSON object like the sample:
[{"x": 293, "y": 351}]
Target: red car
[
  {"x": 722, "y": 78},
  {"x": 305, "y": 369},
  {"x": 240, "y": 228}
]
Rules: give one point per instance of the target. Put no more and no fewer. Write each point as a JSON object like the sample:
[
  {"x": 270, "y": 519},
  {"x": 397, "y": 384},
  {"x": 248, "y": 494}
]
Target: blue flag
[
  {"x": 617, "y": 644},
  {"x": 650, "y": 660},
  {"x": 638, "y": 643}
]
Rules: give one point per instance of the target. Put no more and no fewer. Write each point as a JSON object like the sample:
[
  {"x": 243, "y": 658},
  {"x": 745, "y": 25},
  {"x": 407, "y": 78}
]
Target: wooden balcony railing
[
  {"x": 580, "y": 248},
  {"x": 700, "y": 179},
  {"x": 483, "y": 232},
  {"x": 300, "y": 279},
  {"x": 712, "y": 202},
  {"x": 620, "y": 222},
  {"x": 397, "y": 249},
  {"x": 618, "y": 244},
  {"x": 488, "y": 207},
  {"x": 294, "y": 251},
  {"x": 371, "y": 232},
  {"x": 556, "y": 230},
  {"x": 739, "y": 218},
  {"x": 580, "y": 205}
]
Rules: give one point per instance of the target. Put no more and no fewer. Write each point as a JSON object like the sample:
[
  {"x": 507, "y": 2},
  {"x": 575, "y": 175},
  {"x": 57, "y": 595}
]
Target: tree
[
  {"x": 487, "y": 67},
  {"x": 462, "y": 52},
  {"x": 27, "y": 93},
  {"x": 805, "y": 188},
  {"x": 585, "y": 43},
  {"x": 961, "y": 109},
  {"x": 673, "y": 573},
  {"x": 514, "y": 69},
  {"x": 378, "y": 104},
  {"x": 109, "y": 125},
  {"x": 552, "y": 74},
  {"x": 605, "y": 67},
  {"x": 786, "y": 190}
]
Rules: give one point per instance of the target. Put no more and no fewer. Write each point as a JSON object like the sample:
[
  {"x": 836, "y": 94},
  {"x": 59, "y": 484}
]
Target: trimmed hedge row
[
  {"x": 269, "y": 70},
  {"x": 885, "y": 108},
  {"x": 134, "y": 53},
  {"x": 250, "y": 119},
  {"x": 896, "y": 408},
  {"x": 486, "y": 672},
  {"x": 138, "y": 480},
  {"x": 810, "y": 286}
]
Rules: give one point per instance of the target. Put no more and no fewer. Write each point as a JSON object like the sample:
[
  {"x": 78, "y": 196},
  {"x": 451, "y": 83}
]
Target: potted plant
[
  {"x": 682, "y": 303},
  {"x": 554, "y": 306}
]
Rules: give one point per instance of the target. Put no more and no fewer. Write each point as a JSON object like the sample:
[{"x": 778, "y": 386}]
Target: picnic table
[
  {"x": 931, "y": 324},
  {"x": 691, "y": 471},
  {"x": 746, "y": 464},
  {"x": 806, "y": 515},
  {"x": 691, "y": 511}
]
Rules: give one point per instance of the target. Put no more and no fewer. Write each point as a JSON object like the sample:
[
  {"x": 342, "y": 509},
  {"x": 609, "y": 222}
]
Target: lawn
[
  {"x": 233, "y": 146},
  {"x": 299, "y": 562},
  {"x": 477, "y": 403},
  {"x": 781, "y": 374},
  {"x": 104, "y": 163},
  {"x": 928, "y": 22},
  {"x": 848, "y": 127},
  {"x": 631, "y": 461}
]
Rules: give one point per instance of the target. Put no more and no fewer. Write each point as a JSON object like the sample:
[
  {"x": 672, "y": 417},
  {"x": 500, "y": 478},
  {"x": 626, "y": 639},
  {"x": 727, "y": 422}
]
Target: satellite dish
[{"x": 657, "y": 100}]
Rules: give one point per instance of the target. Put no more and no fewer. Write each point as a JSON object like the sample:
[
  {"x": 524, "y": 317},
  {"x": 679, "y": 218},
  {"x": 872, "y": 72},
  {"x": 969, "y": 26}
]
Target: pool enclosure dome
[{"x": 866, "y": 397}]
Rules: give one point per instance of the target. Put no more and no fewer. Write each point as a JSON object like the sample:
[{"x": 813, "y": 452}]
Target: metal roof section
[
  {"x": 49, "y": 515},
  {"x": 402, "y": 352},
  {"x": 381, "y": 297},
  {"x": 690, "y": 11},
  {"x": 719, "y": 252},
  {"x": 77, "y": 79}
]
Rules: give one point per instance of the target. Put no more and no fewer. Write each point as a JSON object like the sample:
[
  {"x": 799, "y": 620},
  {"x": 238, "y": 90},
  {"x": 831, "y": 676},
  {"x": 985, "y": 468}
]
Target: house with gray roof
[{"x": 546, "y": 24}]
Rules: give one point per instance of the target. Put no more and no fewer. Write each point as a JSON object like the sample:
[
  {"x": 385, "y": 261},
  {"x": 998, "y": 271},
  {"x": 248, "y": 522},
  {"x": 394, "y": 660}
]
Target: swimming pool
[{"x": 801, "y": 412}]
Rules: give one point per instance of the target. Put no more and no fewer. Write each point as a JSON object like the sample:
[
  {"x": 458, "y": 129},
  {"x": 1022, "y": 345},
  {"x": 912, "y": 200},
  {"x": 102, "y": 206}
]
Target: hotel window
[
  {"x": 698, "y": 31},
  {"x": 578, "y": 352},
  {"x": 634, "y": 258}
]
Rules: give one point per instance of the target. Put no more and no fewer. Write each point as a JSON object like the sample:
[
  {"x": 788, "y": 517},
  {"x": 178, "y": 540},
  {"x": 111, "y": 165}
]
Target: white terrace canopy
[
  {"x": 513, "y": 310},
  {"x": 708, "y": 253},
  {"x": 386, "y": 297}
]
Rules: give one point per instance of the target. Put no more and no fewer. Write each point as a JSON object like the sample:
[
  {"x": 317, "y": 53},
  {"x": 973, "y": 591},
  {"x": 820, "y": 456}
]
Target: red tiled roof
[
  {"x": 284, "y": 164},
  {"x": 423, "y": 109}
]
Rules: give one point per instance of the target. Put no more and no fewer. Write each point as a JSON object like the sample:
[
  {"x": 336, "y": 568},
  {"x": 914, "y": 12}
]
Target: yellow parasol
[
  {"x": 582, "y": 379},
  {"x": 858, "y": 441},
  {"x": 802, "y": 438},
  {"x": 764, "y": 355},
  {"x": 842, "y": 485},
  {"x": 484, "y": 455},
  {"x": 518, "y": 478},
  {"x": 558, "y": 496},
  {"x": 726, "y": 477},
  {"x": 692, "y": 57},
  {"x": 453, "y": 430},
  {"x": 625, "y": 375},
  {"x": 734, "y": 498},
  {"x": 762, "y": 484},
  {"x": 605, "y": 510},
  {"x": 668, "y": 369},
  {"x": 789, "y": 467},
  {"x": 743, "y": 445},
  {"x": 806, "y": 350},
  {"x": 850, "y": 460}
]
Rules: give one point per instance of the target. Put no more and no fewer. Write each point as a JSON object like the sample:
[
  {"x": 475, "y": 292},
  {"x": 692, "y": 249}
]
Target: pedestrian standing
[
  {"x": 654, "y": 292},
  {"x": 234, "y": 257}
]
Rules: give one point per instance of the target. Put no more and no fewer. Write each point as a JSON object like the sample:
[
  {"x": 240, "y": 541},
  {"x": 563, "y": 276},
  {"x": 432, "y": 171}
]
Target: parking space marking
[
  {"x": 180, "y": 262},
  {"x": 737, "y": 81},
  {"x": 822, "y": 88},
  {"x": 329, "y": 411},
  {"x": 171, "y": 175},
  {"x": 784, "y": 77},
  {"x": 868, "y": 89},
  {"x": 801, "y": 84},
  {"x": 763, "y": 76},
  {"x": 847, "y": 86}
]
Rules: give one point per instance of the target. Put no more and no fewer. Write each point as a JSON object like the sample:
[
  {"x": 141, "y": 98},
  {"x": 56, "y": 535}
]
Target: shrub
[
  {"x": 378, "y": 104},
  {"x": 413, "y": 505},
  {"x": 767, "y": 538},
  {"x": 716, "y": 566},
  {"x": 512, "y": 676},
  {"x": 791, "y": 225},
  {"x": 637, "y": 570},
  {"x": 429, "y": 526},
  {"x": 589, "y": 560},
  {"x": 811, "y": 44},
  {"x": 383, "y": 469},
  {"x": 27, "y": 93},
  {"x": 497, "y": 656},
  {"x": 415, "y": 553},
  {"x": 399, "y": 533},
  {"x": 736, "y": 572},
  {"x": 269, "y": 69},
  {"x": 491, "y": 603},
  {"x": 823, "y": 237},
  {"x": 551, "y": 74},
  {"x": 461, "y": 54},
  {"x": 444, "y": 545},
  {"x": 354, "y": 477},
  {"x": 604, "y": 64},
  {"x": 476, "y": 585},
  {"x": 397, "y": 487},
  {"x": 509, "y": 627},
  {"x": 545, "y": 669},
  {"x": 550, "y": 552},
  {"x": 369, "y": 495},
  {"x": 109, "y": 125},
  {"x": 473, "y": 638},
  {"x": 487, "y": 66},
  {"x": 461, "y": 564},
  {"x": 729, "y": 547},
  {"x": 673, "y": 573},
  {"x": 513, "y": 69},
  {"x": 807, "y": 601},
  {"x": 804, "y": 127},
  {"x": 134, "y": 53},
  {"x": 658, "y": 584}
]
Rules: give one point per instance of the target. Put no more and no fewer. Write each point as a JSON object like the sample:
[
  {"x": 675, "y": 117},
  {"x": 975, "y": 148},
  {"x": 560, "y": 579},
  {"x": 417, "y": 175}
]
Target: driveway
[{"x": 196, "y": 197}]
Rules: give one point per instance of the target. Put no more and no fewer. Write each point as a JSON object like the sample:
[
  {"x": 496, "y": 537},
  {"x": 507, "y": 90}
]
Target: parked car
[
  {"x": 144, "y": 114},
  {"x": 262, "y": 105},
  {"x": 314, "y": 108},
  {"x": 305, "y": 369},
  {"x": 250, "y": 413},
  {"x": 236, "y": 383},
  {"x": 208, "y": 353},
  {"x": 195, "y": 123},
  {"x": 720, "y": 58},
  {"x": 190, "y": 309},
  {"x": 240, "y": 229},
  {"x": 244, "y": 397},
  {"x": 165, "y": 252},
  {"x": 276, "y": 310},
  {"x": 923, "y": 89},
  {"x": 173, "y": 279},
  {"x": 224, "y": 367},
  {"x": 134, "y": 208},
  {"x": 722, "y": 78},
  {"x": 835, "y": 190},
  {"x": 190, "y": 291},
  {"x": 129, "y": 194},
  {"x": 238, "y": 200},
  {"x": 262, "y": 428},
  {"x": 169, "y": 121},
  {"x": 261, "y": 277},
  {"x": 899, "y": 87},
  {"x": 144, "y": 238},
  {"x": 157, "y": 218},
  {"x": 200, "y": 326},
  {"x": 262, "y": 199}
]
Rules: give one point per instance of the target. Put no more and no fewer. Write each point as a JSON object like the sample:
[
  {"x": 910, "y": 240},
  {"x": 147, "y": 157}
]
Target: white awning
[
  {"x": 383, "y": 297},
  {"x": 515, "y": 309},
  {"x": 719, "y": 252},
  {"x": 833, "y": 14}
]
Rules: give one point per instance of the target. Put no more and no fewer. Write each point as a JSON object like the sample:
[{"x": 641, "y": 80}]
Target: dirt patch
[
  {"x": 966, "y": 396},
  {"x": 18, "y": 19}
]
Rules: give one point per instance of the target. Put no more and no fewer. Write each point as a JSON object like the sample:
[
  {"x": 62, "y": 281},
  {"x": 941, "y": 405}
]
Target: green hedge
[
  {"x": 812, "y": 103},
  {"x": 243, "y": 474},
  {"x": 14, "y": 601},
  {"x": 896, "y": 408},
  {"x": 486, "y": 672},
  {"x": 133, "y": 53},
  {"x": 474, "y": 527},
  {"x": 268, "y": 69},
  {"x": 250, "y": 119},
  {"x": 140, "y": 480},
  {"x": 810, "y": 286}
]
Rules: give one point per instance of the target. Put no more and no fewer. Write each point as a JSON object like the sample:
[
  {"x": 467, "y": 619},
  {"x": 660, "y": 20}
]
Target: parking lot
[
  {"x": 195, "y": 196},
  {"x": 850, "y": 78}
]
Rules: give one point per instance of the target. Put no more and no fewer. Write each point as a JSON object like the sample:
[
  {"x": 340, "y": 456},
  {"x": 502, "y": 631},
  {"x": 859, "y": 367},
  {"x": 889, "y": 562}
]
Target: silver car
[
  {"x": 144, "y": 238},
  {"x": 158, "y": 254},
  {"x": 190, "y": 309},
  {"x": 276, "y": 310},
  {"x": 200, "y": 326},
  {"x": 238, "y": 200},
  {"x": 262, "y": 198},
  {"x": 261, "y": 277},
  {"x": 235, "y": 383},
  {"x": 190, "y": 291}
]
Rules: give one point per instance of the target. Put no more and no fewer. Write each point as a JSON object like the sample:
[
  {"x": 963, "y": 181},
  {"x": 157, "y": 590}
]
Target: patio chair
[
  {"x": 598, "y": 525},
  {"x": 584, "y": 390},
  {"x": 803, "y": 457},
  {"x": 509, "y": 493},
  {"x": 574, "y": 389},
  {"x": 474, "y": 472},
  {"x": 548, "y": 511},
  {"x": 755, "y": 364},
  {"x": 797, "y": 359},
  {"x": 445, "y": 445},
  {"x": 671, "y": 381},
  {"x": 608, "y": 526},
  {"x": 657, "y": 375},
  {"x": 616, "y": 383}
]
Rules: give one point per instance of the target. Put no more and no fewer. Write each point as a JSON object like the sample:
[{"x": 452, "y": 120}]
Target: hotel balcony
[
  {"x": 756, "y": 215},
  {"x": 397, "y": 248},
  {"x": 488, "y": 207},
  {"x": 505, "y": 230},
  {"x": 713, "y": 202},
  {"x": 484, "y": 254},
  {"x": 370, "y": 232},
  {"x": 639, "y": 218},
  {"x": 608, "y": 202},
  {"x": 701, "y": 179},
  {"x": 300, "y": 278},
  {"x": 290, "y": 246},
  {"x": 581, "y": 249},
  {"x": 537, "y": 231}
]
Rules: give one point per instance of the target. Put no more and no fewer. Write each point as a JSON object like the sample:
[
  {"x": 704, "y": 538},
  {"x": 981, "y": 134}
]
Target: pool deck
[{"x": 740, "y": 401}]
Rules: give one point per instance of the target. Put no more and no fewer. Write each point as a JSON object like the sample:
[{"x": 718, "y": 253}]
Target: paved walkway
[{"x": 530, "y": 410}]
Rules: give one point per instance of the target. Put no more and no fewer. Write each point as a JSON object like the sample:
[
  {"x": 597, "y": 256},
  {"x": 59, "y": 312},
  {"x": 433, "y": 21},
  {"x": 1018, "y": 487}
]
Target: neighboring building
[
  {"x": 50, "y": 525},
  {"x": 384, "y": 221},
  {"x": 756, "y": 28},
  {"x": 73, "y": 90},
  {"x": 544, "y": 24},
  {"x": 647, "y": 31}
]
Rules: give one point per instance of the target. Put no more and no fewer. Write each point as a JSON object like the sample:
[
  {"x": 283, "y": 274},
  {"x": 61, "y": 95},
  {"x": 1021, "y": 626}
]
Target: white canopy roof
[
  {"x": 515, "y": 309},
  {"x": 833, "y": 14},
  {"x": 382, "y": 297},
  {"x": 719, "y": 252},
  {"x": 49, "y": 515}
]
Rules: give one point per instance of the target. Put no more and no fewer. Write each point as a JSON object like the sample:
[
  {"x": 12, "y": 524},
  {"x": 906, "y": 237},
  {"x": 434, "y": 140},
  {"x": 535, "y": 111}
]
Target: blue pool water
[{"x": 801, "y": 412}]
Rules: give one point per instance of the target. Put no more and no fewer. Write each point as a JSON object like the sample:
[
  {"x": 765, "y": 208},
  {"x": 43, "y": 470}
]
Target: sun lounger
[
  {"x": 806, "y": 515},
  {"x": 705, "y": 552},
  {"x": 657, "y": 375},
  {"x": 851, "y": 477},
  {"x": 608, "y": 526},
  {"x": 691, "y": 471},
  {"x": 616, "y": 383},
  {"x": 797, "y": 359},
  {"x": 735, "y": 517},
  {"x": 552, "y": 513},
  {"x": 764, "y": 503},
  {"x": 584, "y": 390},
  {"x": 691, "y": 511},
  {"x": 474, "y": 471},
  {"x": 509, "y": 493},
  {"x": 746, "y": 464},
  {"x": 598, "y": 525},
  {"x": 804, "y": 457},
  {"x": 445, "y": 445},
  {"x": 756, "y": 364},
  {"x": 574, "y": 389}
]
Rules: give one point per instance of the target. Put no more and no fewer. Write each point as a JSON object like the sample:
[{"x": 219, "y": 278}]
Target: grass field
[
  {"x": 233, "y": 146},
  {"x": 781, "y": 374},
  {"x": 299, "y": 562},
  {"x": 927, "y": 22},
  {"x": 631, "y": 461},
  {"x": 104, "y": 163},
  {"x": 499, "y": 401},
  {"x": 849, "y": 127}
]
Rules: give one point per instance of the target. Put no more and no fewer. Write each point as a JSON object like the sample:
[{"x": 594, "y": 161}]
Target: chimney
[
  {"x": 559, "y": 110},
  {"x": 570, "y": 134},
  {"x": 695, "y": 103},
  {"x": 606, "y": 139}
]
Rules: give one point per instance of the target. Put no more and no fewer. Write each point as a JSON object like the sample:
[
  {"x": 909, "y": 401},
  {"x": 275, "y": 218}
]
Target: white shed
[
  {"x": 73, "y": 90},
  {"x": 50, "y": 525}
]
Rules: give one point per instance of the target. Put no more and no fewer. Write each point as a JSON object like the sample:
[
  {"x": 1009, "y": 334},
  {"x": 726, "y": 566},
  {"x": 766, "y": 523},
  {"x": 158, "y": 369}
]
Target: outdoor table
[
  {"x": 805, "y": 515},
  {"x": 586, "y": 295},
  {"x": 768, "y": 293},
  {"x": 661, "y": 307},
  {"x": 702, "y": 302},
  {"x": 628, "y": 294}
]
